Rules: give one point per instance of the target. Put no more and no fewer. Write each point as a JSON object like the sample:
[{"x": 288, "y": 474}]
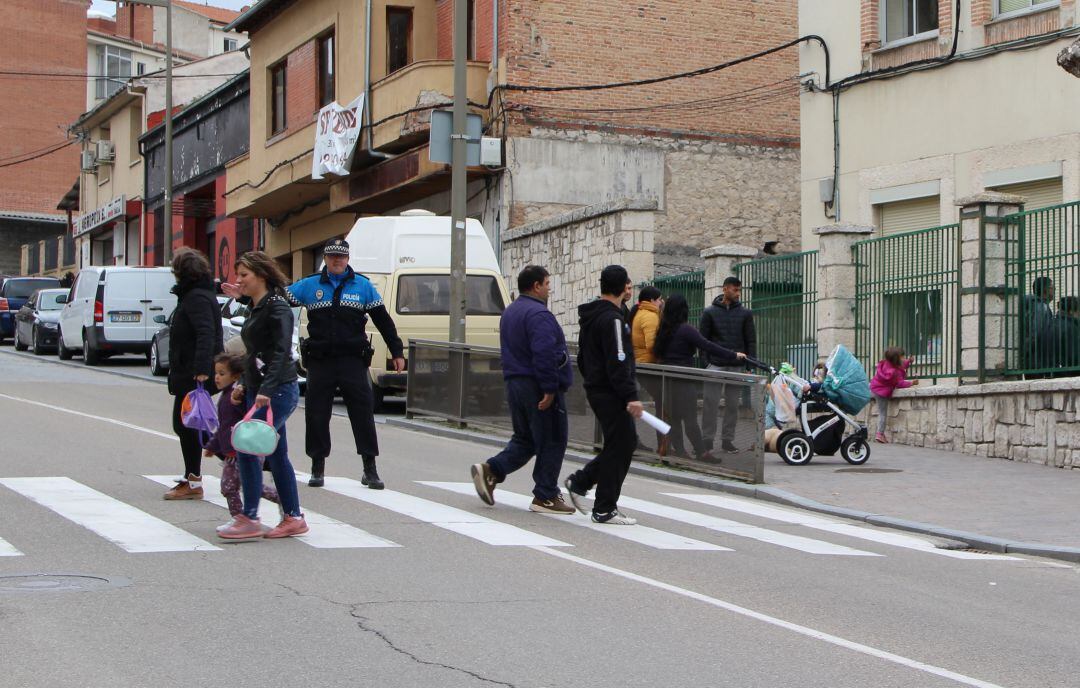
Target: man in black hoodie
[
  {"x": 606, "y": 361},
  {"x": 731, "y": 325}
]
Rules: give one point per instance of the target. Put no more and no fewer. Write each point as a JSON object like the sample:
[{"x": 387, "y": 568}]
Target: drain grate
[
  {"x": 869, "y": 470},
  {"x": 24, "y": 583}
]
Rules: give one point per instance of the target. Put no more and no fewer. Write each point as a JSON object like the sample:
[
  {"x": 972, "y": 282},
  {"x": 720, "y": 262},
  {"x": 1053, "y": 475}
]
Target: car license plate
[{"x": 125, "y": 317}]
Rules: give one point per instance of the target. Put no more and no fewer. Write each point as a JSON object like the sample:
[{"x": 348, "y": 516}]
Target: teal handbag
[{"x": 255, "y": 437}]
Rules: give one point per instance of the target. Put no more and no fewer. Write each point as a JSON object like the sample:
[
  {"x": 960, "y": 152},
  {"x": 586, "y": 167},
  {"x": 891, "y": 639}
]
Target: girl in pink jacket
[{"x": 890, "y": 376}]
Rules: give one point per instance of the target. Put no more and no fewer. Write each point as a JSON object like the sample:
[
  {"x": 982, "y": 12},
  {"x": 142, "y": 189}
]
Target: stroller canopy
[{"x": 846, "y": 383}]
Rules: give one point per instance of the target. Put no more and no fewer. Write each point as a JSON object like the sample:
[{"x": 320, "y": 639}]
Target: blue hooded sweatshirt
[{"x": 533, "y": 345}]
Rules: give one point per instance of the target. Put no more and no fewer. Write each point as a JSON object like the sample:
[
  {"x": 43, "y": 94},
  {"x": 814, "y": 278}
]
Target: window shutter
[
  {"x": 910, "y": 215},
  {"x": 1040, "y": 194}
]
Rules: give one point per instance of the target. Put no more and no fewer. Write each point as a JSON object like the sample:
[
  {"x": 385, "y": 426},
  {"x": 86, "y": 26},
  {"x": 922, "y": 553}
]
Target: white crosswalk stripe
[
  {"x": 640, "y": 534},
  {"x": 801, "y": 518},
  {"x": 446, "y": 517},
  {"x": 122, "y": 524},
  {"x": 325, "y": 533},
  {"x": 722, "y": 525},
  {"x": 7, "y": 550}
]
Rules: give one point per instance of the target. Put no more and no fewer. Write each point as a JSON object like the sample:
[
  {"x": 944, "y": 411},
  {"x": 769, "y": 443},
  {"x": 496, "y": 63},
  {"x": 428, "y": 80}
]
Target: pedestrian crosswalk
[{"x": 443, "y": 506}]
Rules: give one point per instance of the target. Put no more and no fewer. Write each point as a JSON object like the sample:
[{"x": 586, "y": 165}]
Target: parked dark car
[
  {"x": 37, "y": 324},
  {"x": 13, "y": 296}
]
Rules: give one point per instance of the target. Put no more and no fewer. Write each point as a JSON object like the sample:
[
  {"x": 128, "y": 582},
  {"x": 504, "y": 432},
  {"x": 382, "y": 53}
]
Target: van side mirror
[
  {"x": 238, "y": 321},
  {"x": 62, "y": 298},
  {"x": 160, "y": 319}
]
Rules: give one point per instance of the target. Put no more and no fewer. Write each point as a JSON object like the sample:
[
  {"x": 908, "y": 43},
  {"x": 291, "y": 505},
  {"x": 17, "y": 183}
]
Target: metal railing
[
  {"x": 689, "y": 284},
  {"x": 782, "y": 293},
  {"x": 463, "y": 383},
  {"x": 52, "y": 251},
  {"x": 1042, "y": 291},
  {"x": 907, "y": 294}
]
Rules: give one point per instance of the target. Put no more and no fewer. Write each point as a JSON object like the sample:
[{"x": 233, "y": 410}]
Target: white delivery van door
[
  {"x": 124, "y": 310},
  {"x": 159, "y": 298}
]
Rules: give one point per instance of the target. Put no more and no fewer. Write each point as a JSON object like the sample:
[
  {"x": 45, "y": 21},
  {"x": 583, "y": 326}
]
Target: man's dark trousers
[
  {"x": 536, "y": 433},
  {"x": 608, "y": 470},
  {"x": 325, "y": 377}
]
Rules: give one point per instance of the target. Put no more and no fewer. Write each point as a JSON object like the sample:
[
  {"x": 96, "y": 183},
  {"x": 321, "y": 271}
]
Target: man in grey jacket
[{"x": 731, "y": 325}]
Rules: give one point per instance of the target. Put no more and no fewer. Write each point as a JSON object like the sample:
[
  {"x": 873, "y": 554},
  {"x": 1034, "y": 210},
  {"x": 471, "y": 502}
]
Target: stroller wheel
[
  {"x": 855, "y": 450},
  {"x": 795, "y": 448}
]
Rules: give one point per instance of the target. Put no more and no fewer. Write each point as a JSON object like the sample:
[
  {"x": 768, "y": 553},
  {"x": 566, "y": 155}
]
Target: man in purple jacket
[{"x": 536, "y": 369}]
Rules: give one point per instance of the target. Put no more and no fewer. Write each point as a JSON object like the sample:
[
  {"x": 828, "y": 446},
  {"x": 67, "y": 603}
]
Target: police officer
[{"x": 337, "y": 355}]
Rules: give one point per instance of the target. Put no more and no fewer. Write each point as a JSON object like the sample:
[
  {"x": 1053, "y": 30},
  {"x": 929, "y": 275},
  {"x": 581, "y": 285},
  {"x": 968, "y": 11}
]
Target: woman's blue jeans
[{"x": 283, "y": 402}]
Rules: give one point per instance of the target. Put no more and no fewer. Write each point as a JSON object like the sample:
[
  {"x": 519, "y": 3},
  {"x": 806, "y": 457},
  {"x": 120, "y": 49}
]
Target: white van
[
  {"x": 407, "y": 258},
  {"x": 111, "y": 310}
]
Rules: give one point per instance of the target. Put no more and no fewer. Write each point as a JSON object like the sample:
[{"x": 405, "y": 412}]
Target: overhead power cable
[{"x": 39, "y": 155}]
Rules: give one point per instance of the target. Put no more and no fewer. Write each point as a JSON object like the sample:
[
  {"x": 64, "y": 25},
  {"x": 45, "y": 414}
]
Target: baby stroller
[{"x": 826, "y": 411}]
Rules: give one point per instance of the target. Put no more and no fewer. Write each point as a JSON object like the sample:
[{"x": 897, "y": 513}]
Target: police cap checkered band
[{"x": 337, "y": 247}]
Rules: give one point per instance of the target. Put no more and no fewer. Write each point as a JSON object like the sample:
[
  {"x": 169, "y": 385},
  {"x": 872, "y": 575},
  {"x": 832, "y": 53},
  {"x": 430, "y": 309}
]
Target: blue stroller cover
[{"x": 846, "y": 383}]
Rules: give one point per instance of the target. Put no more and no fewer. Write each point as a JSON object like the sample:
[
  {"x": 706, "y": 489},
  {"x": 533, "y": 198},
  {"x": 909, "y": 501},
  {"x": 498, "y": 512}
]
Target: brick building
[
  {"x": 39, "y": 36},
  {"x": 709, "y": 159}
]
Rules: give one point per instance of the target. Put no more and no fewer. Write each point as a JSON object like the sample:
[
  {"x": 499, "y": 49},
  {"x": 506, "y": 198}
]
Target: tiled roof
[{"x": 218, "y": 15}]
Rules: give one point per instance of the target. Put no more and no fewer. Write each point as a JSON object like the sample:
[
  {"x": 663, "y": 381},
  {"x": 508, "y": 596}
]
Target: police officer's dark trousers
[
  {"x": 608, "y": 470},
  {"x": 325, "y": 377}
]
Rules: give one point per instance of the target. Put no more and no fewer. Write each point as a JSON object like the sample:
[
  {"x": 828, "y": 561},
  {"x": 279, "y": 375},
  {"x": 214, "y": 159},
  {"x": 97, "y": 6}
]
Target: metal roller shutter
[
  {"x": 1040, "y": 194},
  {"x": 910, "y": 215}
]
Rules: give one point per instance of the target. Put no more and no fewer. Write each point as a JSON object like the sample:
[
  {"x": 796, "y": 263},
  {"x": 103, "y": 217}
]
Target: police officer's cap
[{"x": 336, "y": 247}]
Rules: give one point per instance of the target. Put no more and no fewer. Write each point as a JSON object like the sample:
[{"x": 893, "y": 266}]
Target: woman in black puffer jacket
[
  {"x": 194, "y": 340},
  {"x": 677, "y": 343}
]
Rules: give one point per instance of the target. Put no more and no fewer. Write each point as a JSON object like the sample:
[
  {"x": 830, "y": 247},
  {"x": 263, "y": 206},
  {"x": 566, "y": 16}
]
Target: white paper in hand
[{"x": 655, "y": 423}]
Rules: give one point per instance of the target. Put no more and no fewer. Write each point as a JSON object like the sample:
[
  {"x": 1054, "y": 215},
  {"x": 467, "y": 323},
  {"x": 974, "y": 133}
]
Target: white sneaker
[{"x": 614, "y": 518}]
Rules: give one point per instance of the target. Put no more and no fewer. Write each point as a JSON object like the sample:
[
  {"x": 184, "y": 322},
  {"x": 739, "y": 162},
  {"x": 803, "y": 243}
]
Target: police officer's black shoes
[
  {"x": 317, "y": 467},
  {"x": 371, "y": 476}
]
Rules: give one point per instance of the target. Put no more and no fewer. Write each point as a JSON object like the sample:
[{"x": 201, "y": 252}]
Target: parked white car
[{"x": 111, "y": 310}]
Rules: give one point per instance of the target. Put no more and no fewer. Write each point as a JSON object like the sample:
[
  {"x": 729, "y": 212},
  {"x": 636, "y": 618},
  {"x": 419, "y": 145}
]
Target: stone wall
[
  {"x": 1034, "y": 421},
  {"x": 576, "y": 246},
  {"x": 709, "y": 191}
]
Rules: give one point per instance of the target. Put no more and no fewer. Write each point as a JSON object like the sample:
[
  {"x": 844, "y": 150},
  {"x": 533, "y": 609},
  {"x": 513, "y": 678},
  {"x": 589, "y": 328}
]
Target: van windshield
[
  {"x": 23, "y": 288},
  {"x": 430, "y": 295}
]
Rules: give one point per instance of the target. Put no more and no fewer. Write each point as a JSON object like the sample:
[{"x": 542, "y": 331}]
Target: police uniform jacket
[{"x": 337, "y": 316}]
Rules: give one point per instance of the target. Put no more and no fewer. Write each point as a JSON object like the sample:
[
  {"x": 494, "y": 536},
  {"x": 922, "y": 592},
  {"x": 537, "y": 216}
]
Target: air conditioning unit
[
  {"x": 87, "y": 162},
  {"x": 106, "y": 151}
]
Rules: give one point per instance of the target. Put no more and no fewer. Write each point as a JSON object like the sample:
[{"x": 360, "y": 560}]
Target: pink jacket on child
[{"x": 889, "y": 378}]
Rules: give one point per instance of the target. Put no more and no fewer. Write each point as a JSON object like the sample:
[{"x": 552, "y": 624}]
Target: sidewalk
[{"x": 991, "y": 504}]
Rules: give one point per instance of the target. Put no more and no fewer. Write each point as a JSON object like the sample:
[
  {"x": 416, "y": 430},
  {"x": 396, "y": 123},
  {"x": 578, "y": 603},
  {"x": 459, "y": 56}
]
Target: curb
[{"x": 778, "y": 496}]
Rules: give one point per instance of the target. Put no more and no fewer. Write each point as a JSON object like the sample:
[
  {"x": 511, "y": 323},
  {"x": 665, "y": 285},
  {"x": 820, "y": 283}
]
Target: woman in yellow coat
[{"x": 644, "y": 323}]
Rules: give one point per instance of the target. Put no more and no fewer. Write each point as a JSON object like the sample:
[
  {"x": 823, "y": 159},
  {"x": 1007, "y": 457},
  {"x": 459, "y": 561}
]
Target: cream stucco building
[{"x": 921, "y": 124}]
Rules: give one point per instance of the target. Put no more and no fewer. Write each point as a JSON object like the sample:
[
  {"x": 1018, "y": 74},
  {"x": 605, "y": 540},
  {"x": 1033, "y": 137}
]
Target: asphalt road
[{"x": 422, "y": 585}]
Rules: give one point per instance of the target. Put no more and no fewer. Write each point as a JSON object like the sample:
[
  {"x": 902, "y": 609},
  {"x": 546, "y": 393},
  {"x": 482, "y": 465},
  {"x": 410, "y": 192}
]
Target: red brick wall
[
  {"x": 870, "y": 24},
  {"x": 301, "y": 85},
  {"x": 136, "y": 22},
  {"x": 574, "y": 42},
  {"x": 482, "y": 11},
  {"x": 41, "y": 35}
]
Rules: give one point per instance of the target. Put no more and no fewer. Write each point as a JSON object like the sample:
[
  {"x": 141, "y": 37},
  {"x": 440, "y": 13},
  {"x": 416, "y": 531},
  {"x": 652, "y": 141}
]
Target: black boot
[
  {"x": 371, "y": 475},
  {"x": 317, "y": 466}
]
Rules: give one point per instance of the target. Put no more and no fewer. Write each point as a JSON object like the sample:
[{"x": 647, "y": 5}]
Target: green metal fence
[
  {"x": 907, "y": 294},
  {"x": 782, "y": 293},
  {"x": 689, "y": 284},
  {"x": 1042, "y": 304}
]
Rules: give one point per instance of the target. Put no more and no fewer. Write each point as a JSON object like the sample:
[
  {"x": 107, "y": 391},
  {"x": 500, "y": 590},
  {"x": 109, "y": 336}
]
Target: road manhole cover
[
  {"x": 869, "y": 470},
  {"x": 58, "y": 582}
]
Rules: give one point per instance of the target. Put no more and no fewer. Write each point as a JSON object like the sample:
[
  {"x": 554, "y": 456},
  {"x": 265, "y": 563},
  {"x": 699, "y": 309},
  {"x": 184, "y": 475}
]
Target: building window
[
  {"x": 398, "y": 38},
  {"x": 913, "y": 321},
  {"x": 470, "y": 52},
  {"x": 909, "y": 215},
  {"x": 230, "y": 45},
  {"x": 1008, "y": 6},
  {"x": 114, "y": 67},
  {"x": 140, "y": 68},
  {"x": 277, "y": 98},
  {"x": 906, "y": 18},
  {"x": 326, "y": 70}
]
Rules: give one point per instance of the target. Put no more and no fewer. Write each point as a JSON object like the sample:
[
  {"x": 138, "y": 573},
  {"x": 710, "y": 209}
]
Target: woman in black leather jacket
[
  {"x": 194, "y": 340},
  {"x": 269, "y": 381}
]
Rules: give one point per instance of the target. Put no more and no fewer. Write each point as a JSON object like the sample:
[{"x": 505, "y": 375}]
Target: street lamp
[{"x": 168, "y": 233}]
